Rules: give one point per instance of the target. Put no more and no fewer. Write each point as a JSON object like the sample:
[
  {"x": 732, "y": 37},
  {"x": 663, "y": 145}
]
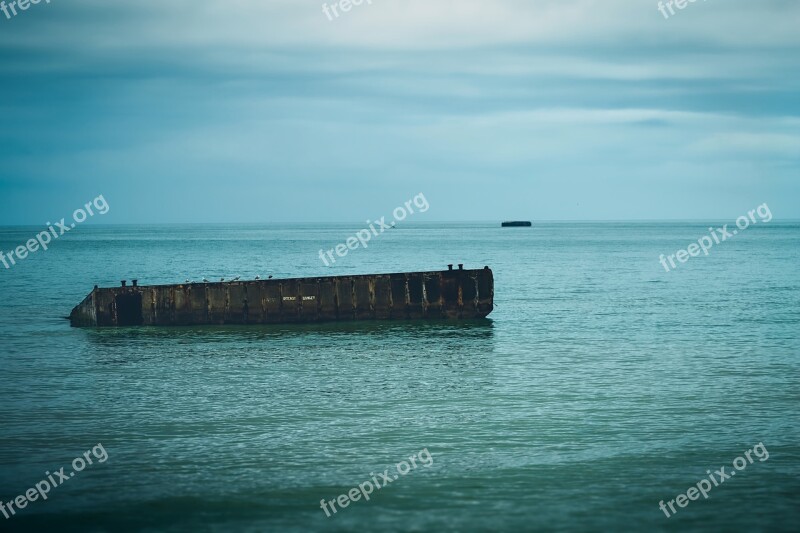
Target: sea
[{"x": 600, "y": 388}]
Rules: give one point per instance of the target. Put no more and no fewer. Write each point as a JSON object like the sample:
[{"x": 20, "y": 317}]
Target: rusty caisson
[{"x": 447, "y": 294}]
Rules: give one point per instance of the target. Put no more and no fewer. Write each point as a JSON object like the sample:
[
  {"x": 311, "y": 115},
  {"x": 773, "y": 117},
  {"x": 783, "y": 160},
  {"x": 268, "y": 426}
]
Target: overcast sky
[{"x": 267, "y": 111}]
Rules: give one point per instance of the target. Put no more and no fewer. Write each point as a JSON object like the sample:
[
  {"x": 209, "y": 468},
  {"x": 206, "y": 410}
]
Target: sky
[{"x": 268, "y": 111}]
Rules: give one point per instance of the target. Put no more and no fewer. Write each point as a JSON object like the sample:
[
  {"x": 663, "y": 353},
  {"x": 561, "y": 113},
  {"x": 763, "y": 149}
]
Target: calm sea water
[{"x": 600, "y": 386}]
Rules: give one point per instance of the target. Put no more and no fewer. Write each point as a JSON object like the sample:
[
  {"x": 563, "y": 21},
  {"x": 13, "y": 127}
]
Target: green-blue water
[{"x": 600, "y": 386}]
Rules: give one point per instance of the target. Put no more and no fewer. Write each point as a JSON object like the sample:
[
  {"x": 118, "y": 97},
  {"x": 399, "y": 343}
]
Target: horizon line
[{"x": 410, "y": 223}]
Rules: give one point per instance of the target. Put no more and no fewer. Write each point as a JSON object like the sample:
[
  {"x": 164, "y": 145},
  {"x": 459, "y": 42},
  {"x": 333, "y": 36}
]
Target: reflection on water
[
  {"x": 320, "y": 358},
  {"x": 470, "y": 329}
]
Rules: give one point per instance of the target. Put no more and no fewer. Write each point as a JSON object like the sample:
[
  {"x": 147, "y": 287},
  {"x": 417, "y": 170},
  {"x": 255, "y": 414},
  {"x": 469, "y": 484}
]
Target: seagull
[
  {"x": 258, "y": 278},
  {"x": 205, "y": 280},
  {"x": 237, "y": 278}
]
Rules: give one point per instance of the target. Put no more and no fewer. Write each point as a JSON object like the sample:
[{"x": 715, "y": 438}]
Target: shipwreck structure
[
  {"x": 517, "y": 224},
  {"x": 451, "y": 293}
]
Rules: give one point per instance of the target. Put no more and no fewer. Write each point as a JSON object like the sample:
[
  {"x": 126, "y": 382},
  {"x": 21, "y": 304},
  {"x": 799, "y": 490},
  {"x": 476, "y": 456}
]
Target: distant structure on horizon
[{"x": 517, "y": 224}]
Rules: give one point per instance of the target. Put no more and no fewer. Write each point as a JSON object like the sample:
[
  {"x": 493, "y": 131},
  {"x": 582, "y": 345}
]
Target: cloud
[
  {"x": 536, "y": 96},
  {"x": 751, "y": 144}
]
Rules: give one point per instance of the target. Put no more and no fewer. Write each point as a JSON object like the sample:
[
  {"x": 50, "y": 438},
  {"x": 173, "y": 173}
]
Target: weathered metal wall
[{"x": 445, "y": 294}]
